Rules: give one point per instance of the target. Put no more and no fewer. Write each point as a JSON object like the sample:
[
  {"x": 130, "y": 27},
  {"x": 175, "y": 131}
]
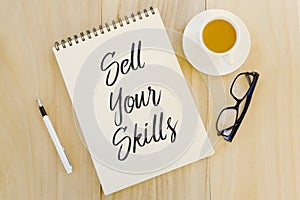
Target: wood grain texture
[{"x": 261, "y": 163}]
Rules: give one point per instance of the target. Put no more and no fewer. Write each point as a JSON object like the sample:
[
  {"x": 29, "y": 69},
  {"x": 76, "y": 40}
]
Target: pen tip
[{"x": 39, "y": 102}]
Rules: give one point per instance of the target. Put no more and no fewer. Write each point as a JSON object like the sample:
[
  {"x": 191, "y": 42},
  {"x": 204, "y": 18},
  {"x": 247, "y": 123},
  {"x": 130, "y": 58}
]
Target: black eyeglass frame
[{"x": 238, "y": 119}]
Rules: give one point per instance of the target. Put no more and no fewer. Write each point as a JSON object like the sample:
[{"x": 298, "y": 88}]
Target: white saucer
[{"x": 208, "y": 63}]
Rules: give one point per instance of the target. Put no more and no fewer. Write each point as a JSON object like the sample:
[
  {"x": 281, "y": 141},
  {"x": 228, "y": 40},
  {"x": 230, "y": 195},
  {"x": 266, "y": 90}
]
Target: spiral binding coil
[{"x": 76, "y": 39}]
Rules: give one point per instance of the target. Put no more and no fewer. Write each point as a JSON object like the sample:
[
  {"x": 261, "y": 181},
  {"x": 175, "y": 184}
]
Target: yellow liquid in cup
[{"x": 219, "y": 36}]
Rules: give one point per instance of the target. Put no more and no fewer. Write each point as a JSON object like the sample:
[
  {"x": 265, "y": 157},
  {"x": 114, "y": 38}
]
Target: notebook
[{"x": 133, "y": 105}]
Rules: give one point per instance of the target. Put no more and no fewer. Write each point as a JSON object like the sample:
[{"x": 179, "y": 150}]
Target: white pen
[{"x": 60, "y": 149}]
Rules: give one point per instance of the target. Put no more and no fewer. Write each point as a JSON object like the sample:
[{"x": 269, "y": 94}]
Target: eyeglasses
[{"x": 230, "y": 118}]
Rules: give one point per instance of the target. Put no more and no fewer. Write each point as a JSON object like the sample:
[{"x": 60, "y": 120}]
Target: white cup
[{"x": 226, "y": 55}]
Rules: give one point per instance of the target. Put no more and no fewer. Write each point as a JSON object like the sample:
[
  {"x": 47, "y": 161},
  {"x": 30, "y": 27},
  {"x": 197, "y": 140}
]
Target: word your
[{"x": 128, "y": 103}]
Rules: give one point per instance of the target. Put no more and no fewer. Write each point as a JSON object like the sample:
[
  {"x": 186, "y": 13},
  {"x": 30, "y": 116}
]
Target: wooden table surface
[{"x": 263, "y": 162}]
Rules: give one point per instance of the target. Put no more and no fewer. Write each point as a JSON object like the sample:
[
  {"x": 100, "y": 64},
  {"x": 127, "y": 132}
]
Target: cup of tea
[{"x": 220, "y": 36}]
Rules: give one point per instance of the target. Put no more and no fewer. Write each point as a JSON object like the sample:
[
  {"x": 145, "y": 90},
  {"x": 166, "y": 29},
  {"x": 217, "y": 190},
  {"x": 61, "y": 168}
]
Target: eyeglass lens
[
  {"x": 241, "y": 86},
  {"x": 227, "y": 119}
]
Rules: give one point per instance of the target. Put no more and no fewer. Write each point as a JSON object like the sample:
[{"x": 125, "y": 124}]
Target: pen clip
[{"x": 67, "y": 157}]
